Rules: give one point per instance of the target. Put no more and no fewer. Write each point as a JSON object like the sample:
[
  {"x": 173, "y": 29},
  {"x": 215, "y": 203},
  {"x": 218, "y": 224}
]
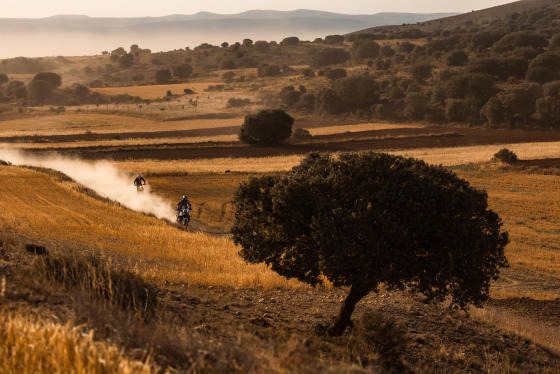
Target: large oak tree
[{"x": 360, "y": 220}]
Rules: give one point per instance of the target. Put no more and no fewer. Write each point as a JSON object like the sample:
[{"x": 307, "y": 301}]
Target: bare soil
[{"x": 408, "y": 138}]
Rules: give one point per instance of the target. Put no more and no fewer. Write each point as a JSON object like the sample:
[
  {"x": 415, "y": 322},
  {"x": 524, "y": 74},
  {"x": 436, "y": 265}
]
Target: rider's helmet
[
  {"x": 139, "y": 176},
  {"x": 184, "y": 197}
]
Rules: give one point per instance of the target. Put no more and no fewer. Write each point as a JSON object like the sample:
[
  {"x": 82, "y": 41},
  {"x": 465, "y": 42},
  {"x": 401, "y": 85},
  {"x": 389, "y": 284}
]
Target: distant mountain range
[{"x": 82, "y": 35}]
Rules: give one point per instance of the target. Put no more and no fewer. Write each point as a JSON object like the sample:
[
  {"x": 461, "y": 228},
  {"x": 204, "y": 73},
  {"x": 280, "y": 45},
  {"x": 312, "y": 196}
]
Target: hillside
[{"x": 478, "y": 17}]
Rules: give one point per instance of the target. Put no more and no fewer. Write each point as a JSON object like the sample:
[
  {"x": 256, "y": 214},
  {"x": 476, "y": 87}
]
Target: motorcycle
[
  {"x": 139, "y": 188},
  {"x": 184, "y": 216}
]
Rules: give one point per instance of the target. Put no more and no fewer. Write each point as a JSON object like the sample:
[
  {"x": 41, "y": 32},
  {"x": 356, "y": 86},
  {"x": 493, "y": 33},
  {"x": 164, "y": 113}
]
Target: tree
[
  {"x": 38, "y": 90},
  {"x": 81, "y": 91},
  {"x": 163, "y": 76},
  {"x": 364, "y": 49},
  {"x": 247, "y": 42},
  {"x": 457, "y": 58},
  {"x": 182, "y": 71},
  {"x": 54, "y": 80},
  {"x": 519, "y": 103},
  {"x": 125, "y": 61},
  {"x": 266, "y": 70},
  {"x": 268, "y": 126},
  {"x": 334, "y": 39},
  {"x": 549, "y": 105},
  {"x": 360, "y": 220},
  {"x": 292, "y": 40},
  {"x": 416, "y": 104},
  {"x": 421, "y": 71},
  {"x": 261, "y": 46},
  {"x": 3, "y": 79},
  {"x": 334, "y": 74},
  {"x": 329, "y": 56}
]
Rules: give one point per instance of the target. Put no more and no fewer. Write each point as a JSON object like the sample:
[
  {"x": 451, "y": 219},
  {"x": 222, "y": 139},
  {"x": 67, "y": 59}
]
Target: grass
[
  {"x": 36, "y": 345},
  {"x": 154, "y": 91},
  {"x": 529, "y": 205},
  {"x": 35, "y": 205},
  {"x": 78, "y": 123}
]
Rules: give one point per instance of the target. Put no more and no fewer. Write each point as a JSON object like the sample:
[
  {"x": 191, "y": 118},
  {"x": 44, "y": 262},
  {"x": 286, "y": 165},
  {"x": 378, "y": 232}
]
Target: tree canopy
[
  {"x": 268, "y": 126},
  {"x": 360, "y": 220}
]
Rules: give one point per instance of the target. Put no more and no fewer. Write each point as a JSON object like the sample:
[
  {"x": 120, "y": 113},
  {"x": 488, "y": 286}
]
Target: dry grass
[
  {"x": 80, "y": 123},
  {"x": 529, "y": 205},
  {"x": 129, "y": 142},
  {"x": 443, "y": 156},
  {"x": 30, "y": 345},
  {"x": 482, "y": 153},
  {"x": 541, "y": 333},
  {"x": 155, "y": 91},
  {"x": 35, "y": 206},
  {"x": 360, "y": 127},
  {"x": 215, "y": 165}
]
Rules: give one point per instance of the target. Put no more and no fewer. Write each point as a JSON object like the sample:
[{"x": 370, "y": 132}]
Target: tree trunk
[{"x": 343, "y": 319}]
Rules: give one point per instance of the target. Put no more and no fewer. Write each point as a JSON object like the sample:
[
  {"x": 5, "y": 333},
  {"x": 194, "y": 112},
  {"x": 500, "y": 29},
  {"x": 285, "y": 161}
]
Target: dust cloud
[{"x": 101, "y": 177}]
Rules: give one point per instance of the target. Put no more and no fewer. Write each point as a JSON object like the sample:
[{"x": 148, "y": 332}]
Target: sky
[{"x": 142, "y": 8}]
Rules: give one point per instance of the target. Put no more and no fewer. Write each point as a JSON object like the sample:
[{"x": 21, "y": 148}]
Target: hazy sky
[{"x": 155, "y": 8}]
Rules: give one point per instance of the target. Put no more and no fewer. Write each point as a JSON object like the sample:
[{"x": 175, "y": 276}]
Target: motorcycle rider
[
  {"x": 139, "y": 182},
  {"x": 184, "y": 203}
]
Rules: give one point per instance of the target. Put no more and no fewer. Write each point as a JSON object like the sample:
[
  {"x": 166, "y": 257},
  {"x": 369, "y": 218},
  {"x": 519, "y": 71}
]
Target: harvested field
[{"x": 379, "y": 140}]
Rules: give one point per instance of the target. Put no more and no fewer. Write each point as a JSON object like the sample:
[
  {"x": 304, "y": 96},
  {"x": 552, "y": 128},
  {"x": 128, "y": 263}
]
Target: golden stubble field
[{"x": 49, "y": 212}]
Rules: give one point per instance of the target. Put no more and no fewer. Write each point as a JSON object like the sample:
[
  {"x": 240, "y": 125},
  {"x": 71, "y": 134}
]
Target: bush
[
  {"x": 162, "y": 76},
  {"x": 383, "y": 335},
  {"x": 268, "y": 126},
  {"x": 505, "y": 155},
  {"x": 261, "y": 46},
  {"x": 266, "y": 70},
  {"x": 421, "y": 71},
  {"x": 364, "y": 49},
  {"x": 330, "y": 56},
  {"x": 228, "y": 64},
  {"x": 457, "y": 58},
  {"x": 292, "y": 40},
  {"x": 301, "y": 134}
]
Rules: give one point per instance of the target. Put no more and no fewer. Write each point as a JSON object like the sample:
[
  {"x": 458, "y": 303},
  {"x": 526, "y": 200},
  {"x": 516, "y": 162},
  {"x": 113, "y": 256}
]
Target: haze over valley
[{"x": 82, "y": 35}]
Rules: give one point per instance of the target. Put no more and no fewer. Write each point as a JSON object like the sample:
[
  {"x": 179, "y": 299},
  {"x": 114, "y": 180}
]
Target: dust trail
[{"x": 102, "y": 177}]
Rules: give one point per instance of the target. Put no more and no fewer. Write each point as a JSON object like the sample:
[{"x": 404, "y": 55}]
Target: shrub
[
  {"x": 383, "y": 335},
  {"x": 266, "y": 70},
  {"x": 292, "y": 40},
  {"x": 519, "y": 39},
  {"x": 289, "y": 95},
  {"x": 301, "y": 134},
  {"x": 421, "y": 71},
  {"x": 163, "y": 76},
  {"x": 268, "y": 126},
  {"x": 457, "y": 58},
  {"x": 228, "y": 76},
  {"x": 261, "y": 46},
  {"x": 364, "y": 49},
  {"x": 334, "y": 39},
  {"x": 334, "y": 74},
  {"x": 329, "y": 56},
  {"x": 228, "y": 64},
  {"x": 505, "y": 155}
]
